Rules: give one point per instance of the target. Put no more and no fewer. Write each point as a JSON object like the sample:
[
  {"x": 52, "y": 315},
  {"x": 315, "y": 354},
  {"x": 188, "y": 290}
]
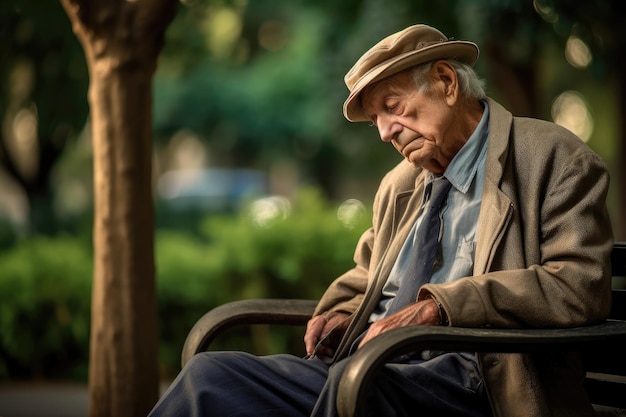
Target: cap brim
[{"x": 463, "y": 51}]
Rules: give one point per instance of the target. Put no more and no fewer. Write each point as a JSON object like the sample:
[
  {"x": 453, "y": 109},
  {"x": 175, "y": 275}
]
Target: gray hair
[{"x": 470, "y": 84}]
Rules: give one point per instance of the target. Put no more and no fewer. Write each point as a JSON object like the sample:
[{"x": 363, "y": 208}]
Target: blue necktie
[{"x": 419, "y": 267}]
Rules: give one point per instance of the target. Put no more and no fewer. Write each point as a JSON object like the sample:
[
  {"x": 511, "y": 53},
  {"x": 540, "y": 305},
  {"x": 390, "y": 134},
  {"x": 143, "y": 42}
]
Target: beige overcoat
[{"x": 542, "y": 258}]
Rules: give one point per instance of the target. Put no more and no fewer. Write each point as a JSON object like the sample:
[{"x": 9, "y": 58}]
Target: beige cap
[{"x": 412, "y": 46}]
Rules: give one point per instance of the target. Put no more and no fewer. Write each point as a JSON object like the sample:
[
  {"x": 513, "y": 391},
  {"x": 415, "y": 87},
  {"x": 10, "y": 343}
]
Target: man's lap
[{"x": 241, "y": 384}]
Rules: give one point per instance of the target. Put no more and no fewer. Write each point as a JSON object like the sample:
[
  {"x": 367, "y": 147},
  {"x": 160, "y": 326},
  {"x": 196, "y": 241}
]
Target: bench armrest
[
  {"x": 367, "y": 361},
  {"x": 608, "y": 338},
  {"x": 245, "y": 312}
]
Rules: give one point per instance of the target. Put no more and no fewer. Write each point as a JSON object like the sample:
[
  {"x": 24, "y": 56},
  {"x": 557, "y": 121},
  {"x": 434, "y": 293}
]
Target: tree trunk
[
  {"x": 122, "y": 40},
  {"x": 123, "y": 363}
]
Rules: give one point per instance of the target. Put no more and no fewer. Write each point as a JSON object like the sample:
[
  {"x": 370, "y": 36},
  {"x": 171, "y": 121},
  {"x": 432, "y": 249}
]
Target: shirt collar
[{"x": 463, "y": 167}]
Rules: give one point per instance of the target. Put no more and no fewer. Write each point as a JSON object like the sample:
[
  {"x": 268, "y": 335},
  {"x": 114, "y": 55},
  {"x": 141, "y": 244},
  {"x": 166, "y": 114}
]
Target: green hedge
[{"x": 45, "y": 285}]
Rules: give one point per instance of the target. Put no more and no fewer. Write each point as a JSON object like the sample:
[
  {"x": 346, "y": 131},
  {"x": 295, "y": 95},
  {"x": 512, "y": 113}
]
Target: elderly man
[{"x": 489, "y": 221}]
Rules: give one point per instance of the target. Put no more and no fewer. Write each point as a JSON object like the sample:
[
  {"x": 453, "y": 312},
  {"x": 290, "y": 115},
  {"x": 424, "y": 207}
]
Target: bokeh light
[{"x": 570, "y": 110}]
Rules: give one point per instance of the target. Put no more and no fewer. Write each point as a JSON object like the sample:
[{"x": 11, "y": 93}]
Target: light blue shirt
[{"x": 466, "y": 173}]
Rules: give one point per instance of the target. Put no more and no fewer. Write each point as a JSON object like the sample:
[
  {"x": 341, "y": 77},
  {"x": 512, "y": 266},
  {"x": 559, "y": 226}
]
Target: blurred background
[{"x": 261, "y": 187}]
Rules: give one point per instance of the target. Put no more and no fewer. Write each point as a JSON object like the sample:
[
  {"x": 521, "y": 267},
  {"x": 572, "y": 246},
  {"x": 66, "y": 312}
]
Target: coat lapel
[
  {"x": 495, "y": 214},
  {"x": 405, "y": 212},
  {"x": 496, "y": 207}
]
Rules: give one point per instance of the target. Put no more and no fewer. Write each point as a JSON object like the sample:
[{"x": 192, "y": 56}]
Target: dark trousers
[{"x": 239, "y": 384}]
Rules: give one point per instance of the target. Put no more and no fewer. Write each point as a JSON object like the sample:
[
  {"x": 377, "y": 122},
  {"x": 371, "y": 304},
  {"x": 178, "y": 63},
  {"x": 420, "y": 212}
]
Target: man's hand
[
  {"x": 324, "y": 332},
  {"x": 422, "y": 313}
]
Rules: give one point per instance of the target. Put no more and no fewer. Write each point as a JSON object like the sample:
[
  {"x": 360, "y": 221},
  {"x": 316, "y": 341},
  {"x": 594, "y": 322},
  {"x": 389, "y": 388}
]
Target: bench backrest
[
  {"x": 618, "y": 264},
  {"x": 606, "y": 366}
]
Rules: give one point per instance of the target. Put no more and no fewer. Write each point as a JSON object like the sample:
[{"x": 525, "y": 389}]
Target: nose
[{"x": 388, "y": 129}]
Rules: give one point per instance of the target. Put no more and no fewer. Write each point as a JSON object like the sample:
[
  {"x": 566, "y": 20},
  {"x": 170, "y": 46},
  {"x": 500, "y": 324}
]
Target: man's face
[{"x": 421, "y": 126}]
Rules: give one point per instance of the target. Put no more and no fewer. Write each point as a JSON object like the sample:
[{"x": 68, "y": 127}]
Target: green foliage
[
  {"x": 44, "y": 306},
  {"x": 292, "y": 257},
  {"x": 242, "y": 109},
  {"x": 43, "y": 75},
  {"x": 45, "y": 285},
  {"x": 295, "y": 256}
]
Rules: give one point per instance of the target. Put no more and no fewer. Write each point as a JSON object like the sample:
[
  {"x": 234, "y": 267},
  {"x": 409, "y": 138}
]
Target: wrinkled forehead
[{"x": 397, "y": 84}]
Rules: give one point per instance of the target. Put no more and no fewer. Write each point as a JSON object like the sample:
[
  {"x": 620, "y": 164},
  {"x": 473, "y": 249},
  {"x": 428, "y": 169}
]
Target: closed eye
[{"x": 372, "y": 120}]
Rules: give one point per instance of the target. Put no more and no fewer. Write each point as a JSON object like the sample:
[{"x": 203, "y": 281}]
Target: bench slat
[{"x": 607, "y": 392}]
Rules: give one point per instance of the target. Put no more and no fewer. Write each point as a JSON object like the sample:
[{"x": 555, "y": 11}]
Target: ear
[{"x": 446, "y": 76}]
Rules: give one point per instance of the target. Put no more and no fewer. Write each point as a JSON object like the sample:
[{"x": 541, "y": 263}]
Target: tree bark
[{"x": 122, "y": 41}]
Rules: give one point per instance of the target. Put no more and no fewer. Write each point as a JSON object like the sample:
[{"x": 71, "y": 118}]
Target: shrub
[
  {"x": 296, "y": 256},
  {"x": 45, "y": 284},
  {"x": 45, "y": 288}
]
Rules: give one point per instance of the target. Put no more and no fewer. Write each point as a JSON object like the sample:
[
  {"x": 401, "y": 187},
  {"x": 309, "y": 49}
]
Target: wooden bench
[{"x": 603, "y": 345}]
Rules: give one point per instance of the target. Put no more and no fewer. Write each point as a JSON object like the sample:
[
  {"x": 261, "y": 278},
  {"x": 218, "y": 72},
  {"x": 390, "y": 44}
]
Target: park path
[{"x": 46, "y": 399}]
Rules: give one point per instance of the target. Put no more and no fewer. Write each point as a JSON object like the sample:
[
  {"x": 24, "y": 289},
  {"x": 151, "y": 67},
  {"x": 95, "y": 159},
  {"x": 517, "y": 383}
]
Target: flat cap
[{"x": 412, "y": 46}]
